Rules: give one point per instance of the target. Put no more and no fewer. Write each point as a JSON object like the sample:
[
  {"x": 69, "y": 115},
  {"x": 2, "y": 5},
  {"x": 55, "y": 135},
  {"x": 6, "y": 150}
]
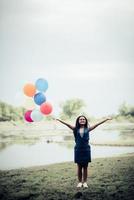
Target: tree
[
  {"x": 71, "y": 108},
  {"x": 123, "y": 109},
  {"x": 126, "y": 110},
  {"x": 4, "y": 112},
  {"x": 9, "y": 112}
]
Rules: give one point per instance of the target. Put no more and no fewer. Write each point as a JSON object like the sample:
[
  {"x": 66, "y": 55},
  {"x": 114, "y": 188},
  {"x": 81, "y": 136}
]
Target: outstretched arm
[
  {"x": 95, "y": 125},
  {"x": 68, "y": 125}
]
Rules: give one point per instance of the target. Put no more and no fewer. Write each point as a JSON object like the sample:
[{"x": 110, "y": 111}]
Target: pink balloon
[
  {"x": 27, "y": 116},
  {"x": 46, "y": 108}
]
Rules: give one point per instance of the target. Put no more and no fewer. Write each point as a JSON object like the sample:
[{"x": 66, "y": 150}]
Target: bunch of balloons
[{"x": 36, "y": 102}]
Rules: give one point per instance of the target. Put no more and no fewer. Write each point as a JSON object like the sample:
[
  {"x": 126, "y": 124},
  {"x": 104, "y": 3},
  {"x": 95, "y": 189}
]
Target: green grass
[{"x": 108, "y": 179}]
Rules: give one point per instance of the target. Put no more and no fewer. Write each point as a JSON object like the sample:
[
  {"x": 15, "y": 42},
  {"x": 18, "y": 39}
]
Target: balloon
[
  {"x": 39, "y": 98},
  {"x": 36, "y": 115},
  {"x": 27, "y": 116},
  {"x": 41, "y": 84},
  {"x": 29, "y": 104},
  {"x": 46, "y": 108},
  {"x": 29, "y": 90}
]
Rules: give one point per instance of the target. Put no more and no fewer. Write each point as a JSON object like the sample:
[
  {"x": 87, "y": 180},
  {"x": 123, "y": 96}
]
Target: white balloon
[{"x": 36, "y": 115}]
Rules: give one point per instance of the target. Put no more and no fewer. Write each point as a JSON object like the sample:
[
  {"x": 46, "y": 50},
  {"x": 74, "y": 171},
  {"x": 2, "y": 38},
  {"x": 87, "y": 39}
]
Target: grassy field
[{"x": 108, "y": 179}]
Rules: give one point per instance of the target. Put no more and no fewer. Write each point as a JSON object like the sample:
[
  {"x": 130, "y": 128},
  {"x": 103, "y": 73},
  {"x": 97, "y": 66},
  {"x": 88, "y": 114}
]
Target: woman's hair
[{"x": 77, "y": 124}]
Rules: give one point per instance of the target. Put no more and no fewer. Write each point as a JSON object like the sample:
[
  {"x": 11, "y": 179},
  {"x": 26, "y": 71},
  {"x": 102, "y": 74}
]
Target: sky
[{"x": 83, "y": 48}]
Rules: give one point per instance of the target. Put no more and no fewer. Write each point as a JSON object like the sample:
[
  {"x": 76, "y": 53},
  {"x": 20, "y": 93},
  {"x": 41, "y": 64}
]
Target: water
[
  {"x": 42, "y": 153},
  {"x": 60, "y": 148}
]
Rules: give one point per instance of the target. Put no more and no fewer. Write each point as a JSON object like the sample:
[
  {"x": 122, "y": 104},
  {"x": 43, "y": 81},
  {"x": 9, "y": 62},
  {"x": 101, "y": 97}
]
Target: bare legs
[
  {"x": 79, "y": 172},
  {"x": 82, "y": 173},
  {"x": 85, "y": 173}
]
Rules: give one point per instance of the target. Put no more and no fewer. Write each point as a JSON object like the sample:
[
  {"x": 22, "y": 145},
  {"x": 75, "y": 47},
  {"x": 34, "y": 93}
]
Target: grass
[{"x": 108, "y": 179}]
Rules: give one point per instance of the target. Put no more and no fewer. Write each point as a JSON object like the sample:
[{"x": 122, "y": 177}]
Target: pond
[{"x": 59, "y": 148}]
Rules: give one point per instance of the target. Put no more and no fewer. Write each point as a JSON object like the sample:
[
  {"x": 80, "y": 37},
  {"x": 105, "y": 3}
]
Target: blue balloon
[
  {"x": 39, "y": 98},
  {"x": 41, "y": 84}
]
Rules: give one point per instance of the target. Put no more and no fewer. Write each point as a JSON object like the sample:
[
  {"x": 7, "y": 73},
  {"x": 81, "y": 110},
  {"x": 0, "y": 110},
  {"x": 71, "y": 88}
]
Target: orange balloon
[{"x": 29, "y": 90}]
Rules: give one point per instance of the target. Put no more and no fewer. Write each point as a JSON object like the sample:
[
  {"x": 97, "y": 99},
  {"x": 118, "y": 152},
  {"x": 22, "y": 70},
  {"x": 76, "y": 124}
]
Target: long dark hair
[{"x": 77, "y": 124}]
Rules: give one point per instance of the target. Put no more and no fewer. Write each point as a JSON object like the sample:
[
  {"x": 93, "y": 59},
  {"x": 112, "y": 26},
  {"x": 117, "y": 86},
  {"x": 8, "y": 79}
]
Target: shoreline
[
  {"x": 113, "y": 145},
  {"x": 72, "y": 162},
  {"x": 66, "y": 162}
]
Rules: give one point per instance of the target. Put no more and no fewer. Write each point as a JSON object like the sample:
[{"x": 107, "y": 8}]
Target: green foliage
[
  {"x": 10, "y": 113},
  {"x": 71, "y": 108},
  {"x": 126, "y": 110},
  {"x": 48, "y": 118}
]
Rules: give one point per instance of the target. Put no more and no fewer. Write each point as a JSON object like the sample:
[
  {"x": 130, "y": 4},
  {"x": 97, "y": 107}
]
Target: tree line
[
  {"x": 11, "y": 113},
  {"x": 69, "y": 109}
]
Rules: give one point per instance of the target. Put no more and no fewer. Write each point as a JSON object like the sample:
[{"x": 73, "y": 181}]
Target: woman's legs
[
  {"x": 82, "y": 172},
  {"x": 79, "y": 172},
  {"x": 85, "y": 173}
]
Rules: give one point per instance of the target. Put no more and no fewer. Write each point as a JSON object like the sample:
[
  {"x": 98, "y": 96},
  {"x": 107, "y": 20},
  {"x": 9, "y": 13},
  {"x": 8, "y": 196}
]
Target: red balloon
[
  {"x": 27, "y": 116},
  {"x": 46, "y": 108}
]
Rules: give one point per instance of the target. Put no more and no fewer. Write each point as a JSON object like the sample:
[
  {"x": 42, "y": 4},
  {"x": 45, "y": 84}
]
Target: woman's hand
[
  {"x": 109, "y": 118},
  {"x": 54, "y": 118}
]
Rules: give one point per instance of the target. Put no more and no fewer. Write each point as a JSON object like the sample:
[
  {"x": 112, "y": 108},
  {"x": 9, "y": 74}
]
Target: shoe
[
  {"x": 85, "y": 185},
  {"x": 79, "y": 185}
]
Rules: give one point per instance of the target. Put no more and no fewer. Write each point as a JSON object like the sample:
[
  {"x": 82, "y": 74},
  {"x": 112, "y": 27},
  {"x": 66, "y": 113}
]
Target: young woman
[{"x": 82, "y": 152}]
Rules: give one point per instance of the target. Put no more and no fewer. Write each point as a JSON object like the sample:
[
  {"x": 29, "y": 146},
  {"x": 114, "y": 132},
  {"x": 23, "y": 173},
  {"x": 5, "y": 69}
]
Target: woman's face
[{"x": 82, "y": 120}]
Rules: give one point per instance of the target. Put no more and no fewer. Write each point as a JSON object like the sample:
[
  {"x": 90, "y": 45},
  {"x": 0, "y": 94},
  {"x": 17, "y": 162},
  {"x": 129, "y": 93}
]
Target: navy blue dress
[{"x": 82, "y": 152}]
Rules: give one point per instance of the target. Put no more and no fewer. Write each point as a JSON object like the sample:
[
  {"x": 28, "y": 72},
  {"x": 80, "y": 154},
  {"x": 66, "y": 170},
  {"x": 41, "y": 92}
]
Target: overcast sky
[{"x": 84, "y": 48}]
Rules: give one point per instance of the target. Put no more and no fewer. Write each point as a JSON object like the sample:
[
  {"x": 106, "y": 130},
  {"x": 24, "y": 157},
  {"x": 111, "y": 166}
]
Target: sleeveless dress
[{"x": 82, "y": 152}]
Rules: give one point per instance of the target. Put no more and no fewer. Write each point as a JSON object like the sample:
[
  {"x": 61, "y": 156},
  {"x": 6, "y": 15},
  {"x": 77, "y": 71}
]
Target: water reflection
[
  {"x": 18, "y": 156},
  {"x": 113, "y": 137},
  {"x": 68, "y": 137},
  {"x": 32, "y": 149},
  {"x": 110, "y": 137},
  {"x": 126, "y": 134}
]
